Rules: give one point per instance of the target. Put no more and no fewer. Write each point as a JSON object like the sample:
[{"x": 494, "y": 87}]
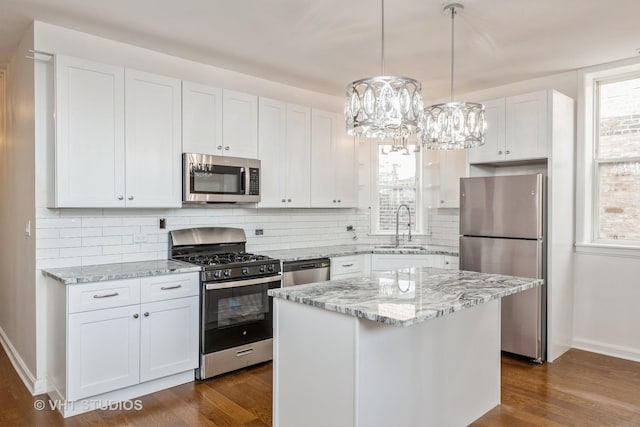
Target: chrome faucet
[{"x": 398, "y": 223}]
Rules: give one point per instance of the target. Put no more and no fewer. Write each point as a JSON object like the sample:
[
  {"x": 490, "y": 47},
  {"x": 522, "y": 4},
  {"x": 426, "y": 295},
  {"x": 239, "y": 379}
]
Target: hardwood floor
[{"x": 580, "y": 389}]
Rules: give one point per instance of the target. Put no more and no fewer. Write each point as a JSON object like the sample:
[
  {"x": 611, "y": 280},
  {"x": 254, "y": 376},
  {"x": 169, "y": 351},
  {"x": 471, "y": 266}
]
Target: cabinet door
[
  {"x": 153, "y": 148},
  {"x": 493, "y": 148},
  {"x": 168, "y": 337},
  {"x": 344, "y": 166},
  {"x": 323, "y": 134},
  {"x": 272, "y": 153},
  {"x": 526, "y": 126},
  {"x": 89, "y": 134},
  {"x": 240, "y": 124},
  {"x": 453, "y": 166},
  {"x": 201, "y": 119},
  {"x": 103, "y": 351},
  {"x": 351, "y": 266},
  {"x": 298, "y": 166}
]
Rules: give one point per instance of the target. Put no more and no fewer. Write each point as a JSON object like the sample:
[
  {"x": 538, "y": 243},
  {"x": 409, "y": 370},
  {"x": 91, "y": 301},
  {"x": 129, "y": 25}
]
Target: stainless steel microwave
[{"x": 220, "y": 179}]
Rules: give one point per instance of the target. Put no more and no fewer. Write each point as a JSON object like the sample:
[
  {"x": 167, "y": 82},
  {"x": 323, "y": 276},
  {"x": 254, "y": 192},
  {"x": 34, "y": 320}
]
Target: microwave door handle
[{"x": 244, "y": 176}]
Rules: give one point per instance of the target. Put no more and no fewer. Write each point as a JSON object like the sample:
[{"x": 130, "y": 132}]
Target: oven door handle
[{"x": 238, "y": 283}]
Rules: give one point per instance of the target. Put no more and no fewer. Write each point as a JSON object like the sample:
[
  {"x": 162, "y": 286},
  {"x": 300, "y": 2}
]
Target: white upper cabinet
[
  {"x": 153, "y": 143},
  {"x": 526, "y": 130},
  {"x": 333, "y": 166},
  {"x": 239, "y": 124},
  {"x": 89, "y": 150},
  {"x": 285, "y": 154},
  {"x": 516, "y": 130},
  {"x": 201, "y": 119},
  {"x": 118, "y": 137},
  {"x": 442, "y": 171}
]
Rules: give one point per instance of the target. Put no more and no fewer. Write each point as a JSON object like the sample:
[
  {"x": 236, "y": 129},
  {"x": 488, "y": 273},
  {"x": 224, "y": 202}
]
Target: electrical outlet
[
  {"x": 349, "y": 227},
  {"x": 259, "y": 231},
  {"x": 163, "y": 223},
  {"x": 140, "y": 238}
]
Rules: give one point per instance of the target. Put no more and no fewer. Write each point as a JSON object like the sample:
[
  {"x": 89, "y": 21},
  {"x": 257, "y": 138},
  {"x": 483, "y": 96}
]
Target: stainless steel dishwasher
[{"x": 301, "y": 272}]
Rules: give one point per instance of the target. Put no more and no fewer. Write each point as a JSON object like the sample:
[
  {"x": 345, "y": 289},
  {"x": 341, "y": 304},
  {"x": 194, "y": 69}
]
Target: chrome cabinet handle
[
  {"x": 334, "y": 201},
  {"x": 347, "y": 265},
  {"x": 146, "y": 314},
  {"x": 226, "y": 148},
  {"x": 115, "y": 294},
  {"x": 339, "y": 201},
  {"x": 507, "y": 152},
  {"x": 135, "y": 316},
  {"x": 442, "y": 201},
  {"x": 120, "y": 197},
  {"x": 288, "y": 200},
  {"x": 130, "y": 197},
  {"x": 499, "y": 152},
  {"x": 166, "y": 288},
  {"x": 284, "y": 200},
  {"x": 219, "y": 147}
]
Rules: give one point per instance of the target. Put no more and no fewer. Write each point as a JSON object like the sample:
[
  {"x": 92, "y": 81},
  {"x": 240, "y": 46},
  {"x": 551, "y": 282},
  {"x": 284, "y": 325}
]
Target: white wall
[{"x": 17, "y": 192}]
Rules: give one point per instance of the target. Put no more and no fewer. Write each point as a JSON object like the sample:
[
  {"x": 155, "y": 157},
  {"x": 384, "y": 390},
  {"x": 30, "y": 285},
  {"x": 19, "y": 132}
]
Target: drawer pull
[
  {"x": 166, "y": 288},
  {"x": 115, "y": 294},
  {"x": 244, "y": 352},
  {"x": 347, "y": 265}
]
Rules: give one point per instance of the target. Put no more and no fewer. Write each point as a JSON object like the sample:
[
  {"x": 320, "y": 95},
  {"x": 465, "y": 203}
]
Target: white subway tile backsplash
[
  {"x": 67, "y": 237},
  {"x": 102, "y": 241}
]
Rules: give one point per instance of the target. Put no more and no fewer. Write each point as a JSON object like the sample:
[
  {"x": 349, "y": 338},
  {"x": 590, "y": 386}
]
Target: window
[
  {"x": 397, "y": 178},
  {"x": 616, "y": 165}
]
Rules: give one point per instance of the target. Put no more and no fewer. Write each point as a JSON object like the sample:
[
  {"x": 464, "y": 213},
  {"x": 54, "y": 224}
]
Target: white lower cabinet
[
  {"x": 104, "y": 351},
  {"x": 149, "y": 336},
  {"x": 346, "y": 267},
  {"x": 168, "y": 337}
]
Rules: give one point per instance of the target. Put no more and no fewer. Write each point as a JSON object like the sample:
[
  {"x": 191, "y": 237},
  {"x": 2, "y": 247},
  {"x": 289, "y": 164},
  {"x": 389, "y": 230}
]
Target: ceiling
[{"x": 324, "y": 44}]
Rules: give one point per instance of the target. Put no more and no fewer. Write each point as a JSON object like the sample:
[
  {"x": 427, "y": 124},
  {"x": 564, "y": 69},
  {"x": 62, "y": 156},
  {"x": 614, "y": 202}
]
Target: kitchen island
[{"x": 410, "y": 347}]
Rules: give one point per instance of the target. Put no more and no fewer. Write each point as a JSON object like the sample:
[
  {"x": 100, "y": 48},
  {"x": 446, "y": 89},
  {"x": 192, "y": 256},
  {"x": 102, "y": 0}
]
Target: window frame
[
  {"x": 417, "y": 220},
  {"x": 589, "y": 162}
]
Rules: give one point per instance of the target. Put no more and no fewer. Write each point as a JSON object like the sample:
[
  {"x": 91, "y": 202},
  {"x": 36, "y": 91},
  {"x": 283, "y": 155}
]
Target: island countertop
[{"x": 406, "y": 296}]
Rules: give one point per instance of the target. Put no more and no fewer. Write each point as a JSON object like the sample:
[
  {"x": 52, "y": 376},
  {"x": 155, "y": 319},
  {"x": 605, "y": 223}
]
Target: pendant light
[
  {"x": 453, "y": 125},
  {"x": 384, "y": 106}
]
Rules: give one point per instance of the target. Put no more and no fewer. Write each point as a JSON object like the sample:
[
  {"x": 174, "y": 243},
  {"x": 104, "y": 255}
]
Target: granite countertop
[
  {"x": 406, "y": 296},
  {"x": 126, "y": 270},
  {"x": 300, "y": 254}
]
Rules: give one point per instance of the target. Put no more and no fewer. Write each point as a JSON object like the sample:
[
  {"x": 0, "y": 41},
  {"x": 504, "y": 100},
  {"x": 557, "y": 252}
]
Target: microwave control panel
[{"x": 254, "y": 181}]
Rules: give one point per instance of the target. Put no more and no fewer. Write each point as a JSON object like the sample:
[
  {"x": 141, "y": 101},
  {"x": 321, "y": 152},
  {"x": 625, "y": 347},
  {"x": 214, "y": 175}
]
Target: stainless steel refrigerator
[{"x": 502, "y": 227}]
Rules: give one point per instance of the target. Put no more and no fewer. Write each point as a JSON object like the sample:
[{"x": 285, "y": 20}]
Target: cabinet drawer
[
  {"x": 158, "y": 288},
  {"x": 349, "y": 266},
  {"x": 96, "y": 296}
]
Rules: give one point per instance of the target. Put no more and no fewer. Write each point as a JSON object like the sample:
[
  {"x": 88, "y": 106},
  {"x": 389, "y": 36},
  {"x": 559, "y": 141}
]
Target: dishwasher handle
[{"x": 306, "y": 264}]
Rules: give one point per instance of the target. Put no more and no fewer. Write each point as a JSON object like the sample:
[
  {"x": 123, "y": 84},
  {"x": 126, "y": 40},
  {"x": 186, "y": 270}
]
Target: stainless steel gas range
[{"x": 236, "y": 315}]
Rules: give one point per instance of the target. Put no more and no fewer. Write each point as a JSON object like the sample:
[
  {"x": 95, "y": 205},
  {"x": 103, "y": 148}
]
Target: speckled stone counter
[
  {"x": 407, "y": 296},
  {"x": 443, "y": 369},
  {"x": 126, "y": 270},
  {"x": 300, "y": 254}
]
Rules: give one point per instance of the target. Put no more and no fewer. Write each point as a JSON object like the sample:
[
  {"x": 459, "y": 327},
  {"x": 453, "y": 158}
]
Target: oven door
[{"x": 237, "y": 313}]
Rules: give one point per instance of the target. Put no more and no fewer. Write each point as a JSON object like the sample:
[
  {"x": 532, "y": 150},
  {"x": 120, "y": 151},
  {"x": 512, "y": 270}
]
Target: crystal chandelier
[
  {"x": 384, "y": 106},
  {"x": 453, "y": 125}
]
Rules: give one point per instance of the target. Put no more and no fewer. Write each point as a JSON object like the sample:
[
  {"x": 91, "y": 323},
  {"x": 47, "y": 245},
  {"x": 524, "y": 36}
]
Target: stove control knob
[
  {"x": 245, "y": 270},
  {"x": 227, "y": 272},
  {"x": 263, "y": 268},
  {"x": 216, "y": 274},
  {"x": 270, "y": 267}
]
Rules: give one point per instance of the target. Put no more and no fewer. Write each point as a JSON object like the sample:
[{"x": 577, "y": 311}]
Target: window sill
[{"x": 626, "y": 251}]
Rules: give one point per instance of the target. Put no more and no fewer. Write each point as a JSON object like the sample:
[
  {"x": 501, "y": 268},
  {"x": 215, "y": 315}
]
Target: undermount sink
[{"x": 399, "y": 248}]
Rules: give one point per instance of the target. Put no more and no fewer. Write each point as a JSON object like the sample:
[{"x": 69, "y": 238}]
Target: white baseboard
[
  {"x": 607, "y": 349},
  {"x": 34, "y": 386}
]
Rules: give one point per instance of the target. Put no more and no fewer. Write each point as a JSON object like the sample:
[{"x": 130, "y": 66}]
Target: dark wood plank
[{"x": 579, "y": 389}]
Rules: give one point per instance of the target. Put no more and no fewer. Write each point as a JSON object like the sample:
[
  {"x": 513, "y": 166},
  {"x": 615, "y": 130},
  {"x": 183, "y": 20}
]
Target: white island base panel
[{"x": 332, "y": 369}]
